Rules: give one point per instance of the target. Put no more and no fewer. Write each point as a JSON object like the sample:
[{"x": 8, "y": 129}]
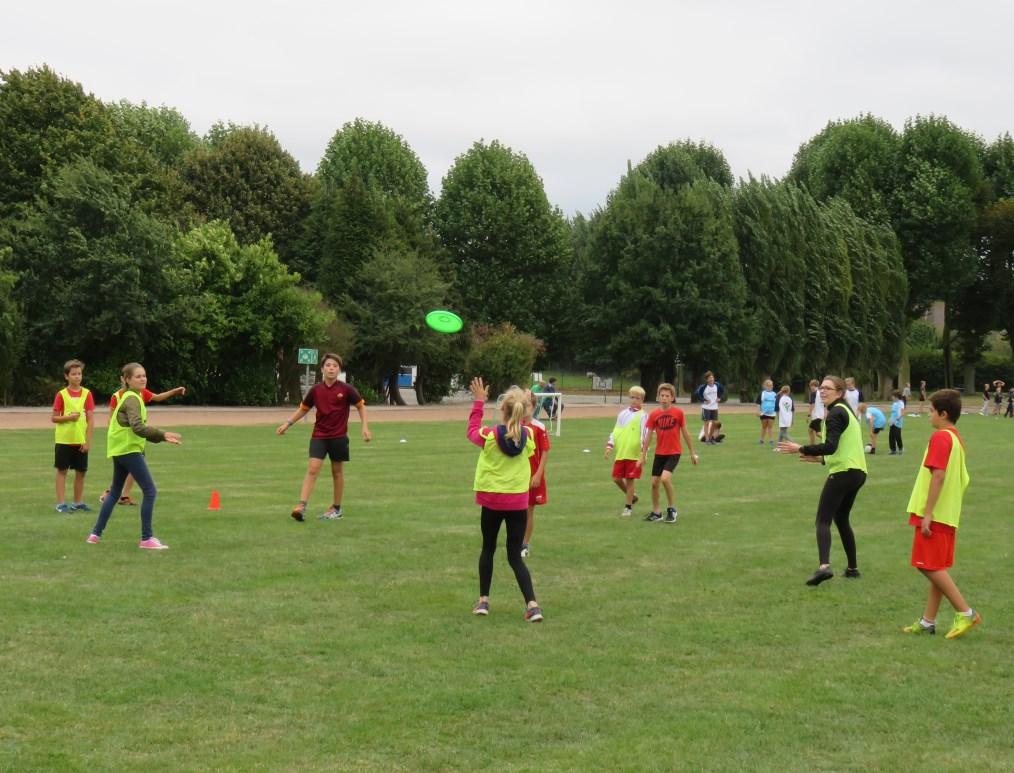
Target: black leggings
[
  {"x": 516, "y": 522},
  {"x": 836, "y": 500},
  {"x": 894, "y": 438}
]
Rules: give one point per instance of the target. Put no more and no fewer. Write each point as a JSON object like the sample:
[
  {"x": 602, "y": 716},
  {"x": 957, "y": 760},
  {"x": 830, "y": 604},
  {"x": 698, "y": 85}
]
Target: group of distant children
[
  {"x": 510, "y": 471},
  {"x": 993, "y": 392}
]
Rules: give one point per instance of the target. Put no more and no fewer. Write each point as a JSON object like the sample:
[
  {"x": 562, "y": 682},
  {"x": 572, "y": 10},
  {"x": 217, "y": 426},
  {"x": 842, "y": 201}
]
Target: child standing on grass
[
  {"x": 333, "y": 400},
  {"x": 666, "y": 423},
  {"x": 816, "y": 417},
  {"x": 767, "y": 407},
  {"x": 125, "y": 441},
  {"x": 896, "y": 420},
  {"x": 786, "y": 410},
  {"x": 935, "y": 510},
  {"x": 627, "y": 438},
  {"x": 73, "y": 409},
  {"x": 537, "y": 485},
  {"x": 502, "y": 489},
  {"x": 147, "y": 396},
  {"x": 1010, "y": 404}
]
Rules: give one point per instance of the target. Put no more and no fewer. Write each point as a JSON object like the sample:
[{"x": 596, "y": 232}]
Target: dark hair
[
  {"x": 708, "y": 373},
  {"x": 947, "y": 402},
  {"x": 896, "y": 394},
  {"x": 331, "y": 356},
  {"x": 70, "y": 364}
]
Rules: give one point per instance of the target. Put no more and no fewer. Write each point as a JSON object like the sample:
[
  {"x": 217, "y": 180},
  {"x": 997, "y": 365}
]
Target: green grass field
[{"x": 256, "y": 643}]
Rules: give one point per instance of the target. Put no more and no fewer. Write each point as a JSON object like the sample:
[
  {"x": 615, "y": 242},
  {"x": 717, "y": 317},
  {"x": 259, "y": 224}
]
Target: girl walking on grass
[
  {"x": 125, "y": 441},
  {"x": 502, "y": 481}
]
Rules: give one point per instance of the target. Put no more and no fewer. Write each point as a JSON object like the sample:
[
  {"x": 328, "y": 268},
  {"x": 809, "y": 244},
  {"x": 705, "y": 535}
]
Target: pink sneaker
[
  {"x": 152, "y": 544},
  {"x": 93, "y": 539}
]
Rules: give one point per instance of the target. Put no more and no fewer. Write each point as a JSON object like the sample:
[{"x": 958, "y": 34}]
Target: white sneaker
[{"x": 627, "y": 512}]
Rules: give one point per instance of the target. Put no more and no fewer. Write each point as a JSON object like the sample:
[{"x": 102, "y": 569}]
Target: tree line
[{"x": 125, "y": 236}]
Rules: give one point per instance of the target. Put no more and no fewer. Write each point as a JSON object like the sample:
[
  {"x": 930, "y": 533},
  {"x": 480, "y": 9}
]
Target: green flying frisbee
[{"x": 444, "y": 321}]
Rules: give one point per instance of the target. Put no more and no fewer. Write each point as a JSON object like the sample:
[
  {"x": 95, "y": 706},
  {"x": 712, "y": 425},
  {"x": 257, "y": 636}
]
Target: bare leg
[
  {"x": 530, "y": 525},
  {"x": 128, "y": 486},
  {"x": 620, "y": 484},
  {"x": 941, "y": 584},
  {"x": 312, "y": 471},
  {"x": 655, "y": 480},
  {"x": 61, "y": 485},
  {"x": 79, "y": 478},
  {"x": 338, "y": 478},
  {"x": 630, "y": 492},
  {"x": 667, "y": 482}
]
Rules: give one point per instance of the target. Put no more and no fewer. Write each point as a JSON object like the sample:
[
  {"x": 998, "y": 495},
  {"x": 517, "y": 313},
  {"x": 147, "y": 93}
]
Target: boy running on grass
[
  {"x": 333, "y": 400},
  {"x": 934, "y": 510},
  {"x": 667, "y": 423},
  {"x": 627, "y": 438}
]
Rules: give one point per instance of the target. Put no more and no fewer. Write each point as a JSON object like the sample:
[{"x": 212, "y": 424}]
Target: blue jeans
[{"x": 129, "y": 464}]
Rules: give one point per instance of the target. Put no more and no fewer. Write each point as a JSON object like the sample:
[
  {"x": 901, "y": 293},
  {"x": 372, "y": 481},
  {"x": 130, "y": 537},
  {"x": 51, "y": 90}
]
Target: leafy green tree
[
  {"x": 508, "y": 245},
  {"x": 998, "y": 166},
  {"x": 853, "y": 159},
  {"x": 387, "y": 303},
  {"x": 666, "y": 277},
  {"x": 163, "y": 131},
  {"x": 12, "y": 323},
  {"x": 243, "y": 175},
  {"x": 231, "y": 312},
  {"x": 502, "y": 355}
]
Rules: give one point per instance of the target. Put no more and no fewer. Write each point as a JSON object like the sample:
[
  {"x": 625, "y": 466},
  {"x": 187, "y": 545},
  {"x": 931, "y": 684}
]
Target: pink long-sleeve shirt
[{"x": 492, "y": 499}]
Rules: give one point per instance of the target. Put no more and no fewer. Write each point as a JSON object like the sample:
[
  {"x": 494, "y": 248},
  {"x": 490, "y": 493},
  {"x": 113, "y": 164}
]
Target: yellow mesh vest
[
  {"x": 948, "y": 506},
  {"x": 122, "y": 440},
  {"x": 850, "y": 454},
  {"x": 73, "y": 433}
]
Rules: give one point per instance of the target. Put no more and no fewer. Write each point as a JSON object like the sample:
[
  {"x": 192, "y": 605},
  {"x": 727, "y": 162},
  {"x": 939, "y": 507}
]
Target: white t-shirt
[
  {"x": 709, "y": 401},
  {"x": 818, "y": 411},
  {"x": 852, "y": 398},
  {"x": 784, "y": 411}
]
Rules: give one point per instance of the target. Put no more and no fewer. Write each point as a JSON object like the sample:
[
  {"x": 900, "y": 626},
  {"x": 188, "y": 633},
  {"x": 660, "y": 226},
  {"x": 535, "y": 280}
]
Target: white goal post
[{"x": 549, "y": 411}]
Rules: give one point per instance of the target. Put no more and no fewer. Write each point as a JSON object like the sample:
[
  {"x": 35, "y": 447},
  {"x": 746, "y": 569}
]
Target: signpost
[{"x": 307, "y": 357}]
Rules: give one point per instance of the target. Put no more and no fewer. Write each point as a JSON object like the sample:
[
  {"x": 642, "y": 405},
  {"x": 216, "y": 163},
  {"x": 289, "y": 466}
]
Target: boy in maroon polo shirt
[{"x": 332, "y": 399}]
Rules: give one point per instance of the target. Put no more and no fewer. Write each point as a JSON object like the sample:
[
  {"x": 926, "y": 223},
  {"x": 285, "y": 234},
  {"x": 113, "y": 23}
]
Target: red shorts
[
  {"x": 935, "y": 552},
  {"x": 537, "y": 495},
  {"x": 626, "y": 468}
]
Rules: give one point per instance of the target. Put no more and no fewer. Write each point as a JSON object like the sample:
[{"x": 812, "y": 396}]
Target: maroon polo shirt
[{"x": 333, "y": 404}]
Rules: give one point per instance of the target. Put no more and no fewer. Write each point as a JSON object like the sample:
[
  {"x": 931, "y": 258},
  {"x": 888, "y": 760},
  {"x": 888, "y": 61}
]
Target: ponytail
[{"x": 514, "y": 411}]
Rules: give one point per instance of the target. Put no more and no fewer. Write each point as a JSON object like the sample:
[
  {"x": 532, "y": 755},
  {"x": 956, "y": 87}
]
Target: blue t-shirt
[
  {"x": 879, "y": 420},
  {"x": 768, "y": 400},
  {"x": 897, "y": 410}
]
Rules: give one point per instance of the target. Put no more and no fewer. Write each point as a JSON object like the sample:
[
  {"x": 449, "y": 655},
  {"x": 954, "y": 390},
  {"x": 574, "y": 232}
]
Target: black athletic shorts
[
  {"x": 70, "y": 458},
  {"x": 709, "y": 414},
  {"x": 815, "y": 425},
  {"x": 664, "y": 463},
  {"x": 335, "y": 447},
  {"x": 877, "y": 430}
]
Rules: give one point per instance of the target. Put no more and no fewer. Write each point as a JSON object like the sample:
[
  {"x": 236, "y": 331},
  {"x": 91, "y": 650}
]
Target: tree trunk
[
  {"x": 945, "y": 342},
  {"x": 649, "y": 381},
  {"x": 904, "y": 366},
  {"x": 886, "y": 384},
  {"x": 969, "y": 378},
  {"x": 393, "y": 390},
  {"x": 419, "y": 398}
]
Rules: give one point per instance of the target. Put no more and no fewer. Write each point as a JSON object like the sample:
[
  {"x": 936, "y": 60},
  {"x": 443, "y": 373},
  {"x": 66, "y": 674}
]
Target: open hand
[{"x": 479, "y": 389}]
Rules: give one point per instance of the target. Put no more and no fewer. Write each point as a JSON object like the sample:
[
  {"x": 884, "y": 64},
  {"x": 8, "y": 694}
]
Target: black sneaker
[
  {"x": 852, "y": 573},
  {"x": 819, "y": 576},
  {"x": 671, "y": 515},
  {"x": 298, "y": 512},
  {"x": 653, "y": 517}
]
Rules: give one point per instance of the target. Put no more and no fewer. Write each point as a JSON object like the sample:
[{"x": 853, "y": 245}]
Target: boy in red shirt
[
  {"x": 537, "y": 489},
  {"x": 333, "y": 400},
  {"x": 148, "y": 397},
  {"x": 72, "y": 414},
  {"x": 667, "y": 424}
]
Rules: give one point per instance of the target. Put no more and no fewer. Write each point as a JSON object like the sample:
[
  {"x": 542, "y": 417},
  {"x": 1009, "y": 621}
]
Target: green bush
[{"x": 502, "y": 356}]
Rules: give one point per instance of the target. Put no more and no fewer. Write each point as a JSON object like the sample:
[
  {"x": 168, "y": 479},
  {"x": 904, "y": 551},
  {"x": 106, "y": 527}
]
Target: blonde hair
[
  {"x": 786, "y": 389},
  {"x": 513, "y": 407},
  {"x": 129, "y": 370},
  {"x": 636, "y": 391}
]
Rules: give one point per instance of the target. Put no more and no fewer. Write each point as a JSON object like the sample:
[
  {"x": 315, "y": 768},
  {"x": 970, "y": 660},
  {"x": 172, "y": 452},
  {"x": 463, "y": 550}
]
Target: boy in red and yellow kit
[
  {"x": 667, "y": 424},
  {"x": 935, "y": 510},
  {"x": 73, "y": 408}
]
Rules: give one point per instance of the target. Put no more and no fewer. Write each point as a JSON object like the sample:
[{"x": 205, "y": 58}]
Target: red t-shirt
[
  {"x": 58, "y": 401},
  {"x": 541, "y": 438},
  {"x": 332, "y": 404},
  {"x": 667, "y": 425},
  {"x": 938, "y": 453},
  {"x": 146, "y": 395}
]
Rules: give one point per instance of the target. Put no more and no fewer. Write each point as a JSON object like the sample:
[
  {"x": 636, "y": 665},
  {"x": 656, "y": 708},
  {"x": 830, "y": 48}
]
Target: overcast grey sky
[{"x": 579, "y": 87}]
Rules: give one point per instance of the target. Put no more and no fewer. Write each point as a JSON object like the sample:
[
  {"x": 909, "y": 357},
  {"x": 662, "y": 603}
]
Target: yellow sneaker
[
  {"x": 918, "y": 627},
  {"x": 963, "y": 624}
]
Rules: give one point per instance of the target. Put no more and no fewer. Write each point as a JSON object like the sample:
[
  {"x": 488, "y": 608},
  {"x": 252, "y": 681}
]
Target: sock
[
  {"x": 926, "y": 623},
  {"x": 969, "y": 613}
]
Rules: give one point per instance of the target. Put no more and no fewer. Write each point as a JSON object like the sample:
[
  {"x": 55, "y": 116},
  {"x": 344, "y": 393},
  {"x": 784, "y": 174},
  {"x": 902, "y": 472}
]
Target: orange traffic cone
[{"x": 214, "y": 504}]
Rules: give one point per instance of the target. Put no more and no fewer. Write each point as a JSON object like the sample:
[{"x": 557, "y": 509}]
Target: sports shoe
[
  {"x": 103, "y": 495},
  {"x": 653, "y": 517},
  {"x": 819, "y": 576},
  {"x": 152, "y": 543},
  {"x": 854, "y": 573},
  {"x": 93, "y": 539},
  {"x": 627, "y": 512},
  {"x": 671, "y": 515},
  {"x": 125, "y": 500},
  {"x": 63, "y": 507},
  {"x": 333, "y": 514},
  {"x": 481, "y": 608},
  {"x": 525, "y": 551},
  {"x": 918, "y": 627},
  {"x": 760, "y": 442},
  {"x": 533, "y": 615},
  {"x": 298, "y": 511},
  {"x": 82, "y": 507},
  {"x": 963, "y": 624}
]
